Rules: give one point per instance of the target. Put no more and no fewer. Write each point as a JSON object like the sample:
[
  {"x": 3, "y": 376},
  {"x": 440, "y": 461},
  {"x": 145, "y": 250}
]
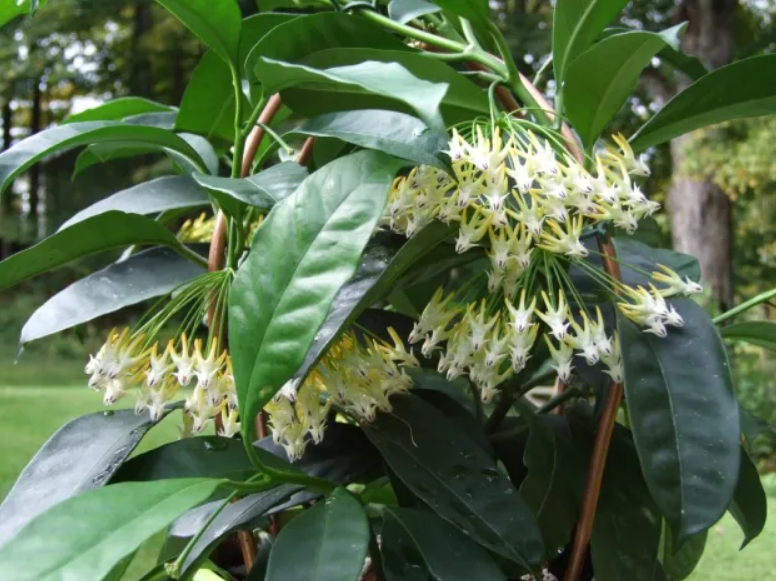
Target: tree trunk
[
  {"x": 140, "y": 76},
  {"x": 700, "y": 211},
  {"x": 7, "y": 115},
  {"x": 36, "y": 116}
]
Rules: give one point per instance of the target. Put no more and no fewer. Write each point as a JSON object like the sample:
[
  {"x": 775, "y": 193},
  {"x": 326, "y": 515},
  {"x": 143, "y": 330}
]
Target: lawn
[{"x": 23, "y": 431}]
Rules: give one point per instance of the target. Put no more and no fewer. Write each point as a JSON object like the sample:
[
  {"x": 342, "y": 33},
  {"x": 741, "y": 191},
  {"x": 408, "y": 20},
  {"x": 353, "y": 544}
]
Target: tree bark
[
  {"x": 36, "y": 116},
  {"x": 7, "y": 115},
  {"x": 141, "y": 76},
  {"x": 700, "y": 212}
]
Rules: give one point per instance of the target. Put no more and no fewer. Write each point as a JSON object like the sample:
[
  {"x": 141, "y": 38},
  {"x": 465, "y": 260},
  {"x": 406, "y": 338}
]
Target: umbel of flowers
[{"x": 530, "y": 204}]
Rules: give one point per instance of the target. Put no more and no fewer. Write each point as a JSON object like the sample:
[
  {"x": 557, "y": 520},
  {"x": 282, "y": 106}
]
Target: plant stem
[
  {"x": 187, "y": 252},
  {"x": 411, "y": 32},
  {"x": 745, "y": 306},
  {"x": 558, "y": 400}
]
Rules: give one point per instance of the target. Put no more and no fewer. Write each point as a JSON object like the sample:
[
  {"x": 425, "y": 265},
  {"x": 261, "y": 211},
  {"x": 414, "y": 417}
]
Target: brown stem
[
  {"x": 257, "y": 133},
  {"x": 560, "y": 387},
  {"x": 600, "y": 447}
]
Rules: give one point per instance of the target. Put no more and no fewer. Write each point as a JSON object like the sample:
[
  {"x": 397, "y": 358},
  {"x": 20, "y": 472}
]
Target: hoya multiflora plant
[{"x": 403, "y": 238}]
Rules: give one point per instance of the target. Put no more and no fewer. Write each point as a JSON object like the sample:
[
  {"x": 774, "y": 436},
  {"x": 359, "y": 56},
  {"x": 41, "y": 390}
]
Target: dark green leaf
[
  {"x": 687, "y": 64},
  {"x": 396, "y": 134},
  {"x": 636, "y": 258},
  {"x": 105, "y": 152},
  {"x": 165, "y": 120},
  {"x": 576, "y": 24},
  {"x": 96, "y": 234},
  {"x": 457, "y": 479},
  {"x": 381, "y": 265},
  {"x": 262, "y": 190},
  {"x": 554, "y": 477},
  {"x": 404, "y": 11},
  {"x": 327, "y": 543},
  {"x": 294, "y": 41},
  {"x": 307, "y": 248},
  {"x": 477, "y": 11},
  {"x": 199, "y": 457},
  {"x": 680, "y": 564},
  {"x": 118, "y": 109},
  {"x": 145, "y": 275},
  {"x": 72, "y": 461},
  {"x": 87, "y": 535},
  {"x": 762, "y": 333},
  {"x": 737, "y": 91},
  {"x": 203, "y": 148},
  {"x": 462, "y": 100},
  {"x": 749, "y": 506},
  {"x": 59, "y": 139},
  {"x": 217, "y": 23},
  {"x": 676, "y": 387},
  {"x": 420, "y": 543},
  {"x": 159, "y": 195},
  {"x": 602, "y": 78}
]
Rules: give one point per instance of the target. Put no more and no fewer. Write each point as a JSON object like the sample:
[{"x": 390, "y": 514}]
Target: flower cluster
[
  {"x": 127, "y": 362},
  {"x": 198, "y": 230},
  {"x": 356, "y": 378},
  {"x": 529, "y": 207}
]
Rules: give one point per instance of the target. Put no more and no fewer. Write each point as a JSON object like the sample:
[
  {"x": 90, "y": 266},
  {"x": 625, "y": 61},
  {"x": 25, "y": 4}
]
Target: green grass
[{"x": 30, "y": 415}]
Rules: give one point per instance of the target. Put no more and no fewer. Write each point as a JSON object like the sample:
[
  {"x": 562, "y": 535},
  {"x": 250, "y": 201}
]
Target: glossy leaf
[
  {"x": 687, "y": 64},
  {"x": 676, "y": 387},
  {"x": 737, "y": 91},
  {"x": 159, "y": 195},
  {"x": 217, "y": 23},
  {"x": 602, "y": 78},
  {"x": 208, "y": 104},
  {"x": 71, "y": 462},
  {"x": 105, "y": 152},
  {"x": 404, "y": 11},
  {"x": 87, "y": 535},
  {"x": 419, "y": 542},
  {"x": 461, "y": 102},
  {"x": 117, "y": 109},
  {"x": 576, "y": 24},
  {"x": 307, "y": 248},
  {"x": 198, "y": 457},
  {"x": 262, "y": 190},
  {"x": 762, "y": 333},
  {"x": 382, "y": 264},
  {"x": 96, "y": 234},
  {"x": 297, "y": 40},
  {"x": 395, "y": 133},
  {"x": 26, "y": 153},
  {"x": 554, "y": 477},
  {"x": 678, "y": 565},
  {"x": 142, "y": 276},
  {"x": 389, "y": 80},
  {"x": 456, "y": 479},
  {"x": 327, "y": 543},
  {"x": 749, "y": 506}
]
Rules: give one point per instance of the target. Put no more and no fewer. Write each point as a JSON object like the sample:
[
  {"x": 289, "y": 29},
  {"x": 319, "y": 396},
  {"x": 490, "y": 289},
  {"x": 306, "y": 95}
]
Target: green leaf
[
  {"x": 462, "y": 99},
  {"x": 217, "y": 23},
  {"x": 749, "y": 506},
  {"x": 601, "y": 79},
  {"x": 389, "y": 80},
  {"x": 87, "y": 535},
  {"x": 419, "y": 542},
  {"x": 381, "y": 266},
  {"x": 477, "y": 11},
  {"x": 142, "y": 276},
  {"x": 262, "y": 190},
  {"x": 762, "y": 333},
  {"x": 396, "y": 134},
  {"x": 576, "y": 24},
  {"x": 737, "y": 91},
  {"x": 71, "y": 462},
  {"x": 10, "y": 10},
  {"x": 199, "y": 457},
  {"x": 105, "y": 152},
  {"x": 554, "y": 477},
  {"x": 96, "y": 234},
  {"x": 403, "y": 11},
  {"x": 304, "y": 36},
  {"x": 26, "y": 153},
  {"x": 687, "y": 64},
  {"x": 159, "y": 195},
  {"x": 676, "y": 387},
  {"x": 680, "y": 564},
  {"x": 208, "y": 104},
  {"x": 319, "y": 231},
  {"x": 456, "y": 478},
  {"x": 119, "y": 109},
  {"x": 327, "y": 543}
]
